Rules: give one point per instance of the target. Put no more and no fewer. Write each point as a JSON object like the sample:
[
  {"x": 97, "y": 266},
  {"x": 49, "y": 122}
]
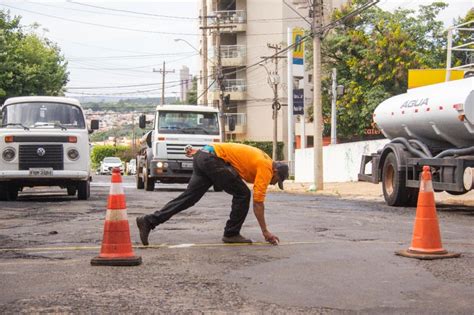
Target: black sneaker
[
  {"x": 236, "y": 239},
  {"x": 144, "y": 228}
]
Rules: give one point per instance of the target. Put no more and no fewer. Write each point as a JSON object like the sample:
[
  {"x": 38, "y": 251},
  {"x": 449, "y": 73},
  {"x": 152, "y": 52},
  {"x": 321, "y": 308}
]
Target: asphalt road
[{"x": 336, "y": 256}]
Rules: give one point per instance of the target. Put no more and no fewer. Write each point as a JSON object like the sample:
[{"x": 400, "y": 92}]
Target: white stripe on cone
[
  {"x": 116, "y": 189},
  {"x": 116, "y": 215}
]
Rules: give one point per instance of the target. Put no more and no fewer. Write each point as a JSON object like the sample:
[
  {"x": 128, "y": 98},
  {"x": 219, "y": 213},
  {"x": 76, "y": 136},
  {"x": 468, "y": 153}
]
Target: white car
[
  {"x": 132, "y": 167},
  {"x": 108, "y": 164}
]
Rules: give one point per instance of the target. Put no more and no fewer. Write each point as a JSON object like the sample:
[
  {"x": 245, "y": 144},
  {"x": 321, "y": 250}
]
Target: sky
[{"x": 113, "y": 47}]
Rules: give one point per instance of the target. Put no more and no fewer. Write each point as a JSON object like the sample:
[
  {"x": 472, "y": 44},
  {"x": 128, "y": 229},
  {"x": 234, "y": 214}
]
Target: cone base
[
  {"x": 126, "y": 261},
  {"x": 426, "y": 256}
]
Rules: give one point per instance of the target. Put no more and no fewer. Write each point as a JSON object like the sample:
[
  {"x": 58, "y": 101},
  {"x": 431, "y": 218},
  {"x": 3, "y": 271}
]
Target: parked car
[
  {"x": 132, "y": 167},
  {"x": 109, "y": 163}
]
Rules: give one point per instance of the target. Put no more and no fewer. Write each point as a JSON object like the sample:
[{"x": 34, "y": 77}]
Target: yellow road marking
[{"x": 203, "y": 245}]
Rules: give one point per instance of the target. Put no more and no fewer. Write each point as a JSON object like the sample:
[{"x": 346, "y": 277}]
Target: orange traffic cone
[
  {"x": 116, "y": 247},
  {"x": 426, "y": 241}
]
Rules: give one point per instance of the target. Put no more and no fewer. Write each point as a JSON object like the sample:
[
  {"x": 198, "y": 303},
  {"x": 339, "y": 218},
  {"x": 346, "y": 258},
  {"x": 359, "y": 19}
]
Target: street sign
[{"x": 298, "y": 102}]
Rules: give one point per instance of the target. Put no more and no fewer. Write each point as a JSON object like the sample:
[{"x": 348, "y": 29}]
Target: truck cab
[
  {"x": 161, "y": 156},
  {"x": 44, "y": 141}
]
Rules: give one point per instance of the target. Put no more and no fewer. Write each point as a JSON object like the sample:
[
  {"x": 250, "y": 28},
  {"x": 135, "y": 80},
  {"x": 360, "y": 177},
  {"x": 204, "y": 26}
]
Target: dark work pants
[{"x": 209, "y": 170}]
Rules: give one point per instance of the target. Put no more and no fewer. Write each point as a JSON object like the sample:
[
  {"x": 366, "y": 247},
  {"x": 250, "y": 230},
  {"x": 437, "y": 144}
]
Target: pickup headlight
[
  {"x": 73, "y": 154},
  {"x": 8, "y": 154}
]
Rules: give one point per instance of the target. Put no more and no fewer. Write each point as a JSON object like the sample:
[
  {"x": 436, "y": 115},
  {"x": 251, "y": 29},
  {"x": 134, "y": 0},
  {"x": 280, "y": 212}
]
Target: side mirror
[
  {"x": 94, "y": 124},
  {"x": 142, "y": 121}
]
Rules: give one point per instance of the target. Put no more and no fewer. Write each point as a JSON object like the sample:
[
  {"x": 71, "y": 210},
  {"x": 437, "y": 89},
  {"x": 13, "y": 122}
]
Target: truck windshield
[
  {"x": 42, "y": 115},
  {"x": 177, "y": 122}
]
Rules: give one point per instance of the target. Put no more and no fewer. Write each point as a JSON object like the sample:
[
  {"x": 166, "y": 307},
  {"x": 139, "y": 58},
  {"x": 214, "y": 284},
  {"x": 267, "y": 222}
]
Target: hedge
[
  {"x": 267, "y": 147},
  {"x": 99, "y": 152}
]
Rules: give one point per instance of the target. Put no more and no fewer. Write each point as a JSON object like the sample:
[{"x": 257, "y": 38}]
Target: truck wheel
[
  {"x": 83, "y": 190},
  {"x": 393, "y": 183},
  {"x": 149, "y": 182},
  {"x": 10, "y": 194},
  {"x": 71, "y": 191},
  {"x": 139, "y": 181}
]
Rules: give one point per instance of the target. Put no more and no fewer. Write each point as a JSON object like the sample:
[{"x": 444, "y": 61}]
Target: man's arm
[{"x": 259, "y": 210}]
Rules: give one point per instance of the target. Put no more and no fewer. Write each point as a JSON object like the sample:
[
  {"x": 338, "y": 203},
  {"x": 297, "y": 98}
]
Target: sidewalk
[{"x": 365, "y": 191}]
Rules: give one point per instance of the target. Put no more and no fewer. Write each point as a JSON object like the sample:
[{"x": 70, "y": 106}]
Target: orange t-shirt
[{"x": 252, "y": 164}]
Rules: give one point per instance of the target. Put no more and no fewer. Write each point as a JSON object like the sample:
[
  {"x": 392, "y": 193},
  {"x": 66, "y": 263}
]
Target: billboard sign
[{"x": 298, "y": 49}]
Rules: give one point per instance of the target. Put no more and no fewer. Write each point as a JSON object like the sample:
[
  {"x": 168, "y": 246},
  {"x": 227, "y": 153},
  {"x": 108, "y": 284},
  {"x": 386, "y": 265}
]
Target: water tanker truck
[{"x": 431, "y": 125}]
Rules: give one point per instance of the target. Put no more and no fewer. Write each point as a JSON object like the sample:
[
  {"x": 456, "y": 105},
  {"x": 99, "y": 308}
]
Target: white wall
[{"x": 341, "y": 162}]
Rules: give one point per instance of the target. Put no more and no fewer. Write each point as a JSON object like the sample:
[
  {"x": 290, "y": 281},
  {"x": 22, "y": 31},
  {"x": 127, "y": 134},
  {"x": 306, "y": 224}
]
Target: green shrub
[
  {"x": 99, "y": 152},
  {"x": 267, "y": 147}
]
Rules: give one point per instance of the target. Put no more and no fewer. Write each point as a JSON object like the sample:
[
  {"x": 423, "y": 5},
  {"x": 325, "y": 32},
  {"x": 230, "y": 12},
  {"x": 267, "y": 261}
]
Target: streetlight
[
  {"x": 183, "y": 40},
  {"x": 204, "y": 67}
]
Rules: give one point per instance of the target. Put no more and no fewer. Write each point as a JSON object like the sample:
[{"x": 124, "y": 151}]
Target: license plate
[
  {"x": 187, "y": 165},
  {"x": 41, "y": 171}
]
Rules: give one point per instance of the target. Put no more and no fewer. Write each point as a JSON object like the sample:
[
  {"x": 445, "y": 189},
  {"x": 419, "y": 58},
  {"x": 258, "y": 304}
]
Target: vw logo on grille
[{"x": 41, "y": 151}]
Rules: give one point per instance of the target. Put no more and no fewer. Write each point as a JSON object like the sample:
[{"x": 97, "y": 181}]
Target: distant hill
[{"x": 116, "y": 104}]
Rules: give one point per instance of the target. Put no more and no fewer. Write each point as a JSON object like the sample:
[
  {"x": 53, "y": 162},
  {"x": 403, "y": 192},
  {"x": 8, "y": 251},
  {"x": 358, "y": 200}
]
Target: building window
[
  {"x": 310, "y": 78},
  {"x": 309, "y": 141}
]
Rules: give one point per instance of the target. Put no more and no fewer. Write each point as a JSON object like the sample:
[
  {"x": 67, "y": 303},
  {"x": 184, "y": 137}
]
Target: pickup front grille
[
  {"x": 30, "y": 156},
  {"x": 176, "y": 150}
]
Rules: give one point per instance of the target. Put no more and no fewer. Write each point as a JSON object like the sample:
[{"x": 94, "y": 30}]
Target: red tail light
[{"x": 72, "y": 139}]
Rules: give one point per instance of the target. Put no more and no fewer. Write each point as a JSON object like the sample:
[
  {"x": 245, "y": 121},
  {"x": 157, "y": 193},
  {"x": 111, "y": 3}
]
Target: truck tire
[
  {"x": 395, "y": 191},
  {"x": 83, "y": 190},
  {"x": 149, "y": 182},
  {"x": 139, "y": 181},
  {"x": 8, "y": 193}
]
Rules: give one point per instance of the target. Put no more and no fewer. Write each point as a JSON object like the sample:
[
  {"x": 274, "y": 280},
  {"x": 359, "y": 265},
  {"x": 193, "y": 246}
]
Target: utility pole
[
  {"x": 204, "y": 51},
  {"x": 317, "y": 10},
  {"x": 164, "y": 72},
  {"x": 133, "y": 133},
  {"x": 333, "y": 107},
  {"x": 219, "y": 75},
  {"x": 274, "y": 80},
  {"x": 220, "y": 79}
]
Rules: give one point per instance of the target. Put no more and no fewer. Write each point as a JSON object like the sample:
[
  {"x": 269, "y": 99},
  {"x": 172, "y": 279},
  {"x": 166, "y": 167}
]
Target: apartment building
[
  {"x": 240, "y": 31},
  {"x": 186, "y": 81}
]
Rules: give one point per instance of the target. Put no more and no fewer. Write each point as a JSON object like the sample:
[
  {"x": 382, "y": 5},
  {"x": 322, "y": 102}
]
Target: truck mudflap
[{"x": 374, "y": 175}]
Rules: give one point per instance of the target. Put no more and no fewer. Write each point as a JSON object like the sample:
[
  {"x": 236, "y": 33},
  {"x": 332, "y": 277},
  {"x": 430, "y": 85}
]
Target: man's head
[{"x": 280, "y": 173}]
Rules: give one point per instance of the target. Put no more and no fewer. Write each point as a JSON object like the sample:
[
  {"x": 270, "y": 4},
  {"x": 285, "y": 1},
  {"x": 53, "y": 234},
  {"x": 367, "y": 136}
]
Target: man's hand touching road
[{"x": 271, "y": 238}]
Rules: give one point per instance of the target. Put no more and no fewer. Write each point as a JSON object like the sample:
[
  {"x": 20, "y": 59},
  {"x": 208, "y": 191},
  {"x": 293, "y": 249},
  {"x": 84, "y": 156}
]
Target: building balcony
[
  {"x": 235, "y": 123},
  {"x": 231, "y": 55},
  {"x": 235, "y": 18},
  {"x": 236, "y": 88}
]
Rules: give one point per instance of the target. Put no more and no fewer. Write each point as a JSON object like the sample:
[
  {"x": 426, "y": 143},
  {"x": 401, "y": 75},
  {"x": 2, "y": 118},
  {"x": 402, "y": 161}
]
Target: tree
[
  {"x": 29, "y": 65},
  {"x": 191, "y": 97},
  {"x": 372, "y": 53},
  {"x": 462, "y": 38}
]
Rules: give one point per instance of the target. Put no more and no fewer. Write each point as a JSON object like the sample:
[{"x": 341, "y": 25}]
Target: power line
[
  {"x": 88, "y": 11},
  {"x": 130, "y": 56},
  {"x": 101, "y": 25},
  {"x": 172, "y": 16},
  {"x": 124, "y": 93},
  {"x": 134, "y": 12}
]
